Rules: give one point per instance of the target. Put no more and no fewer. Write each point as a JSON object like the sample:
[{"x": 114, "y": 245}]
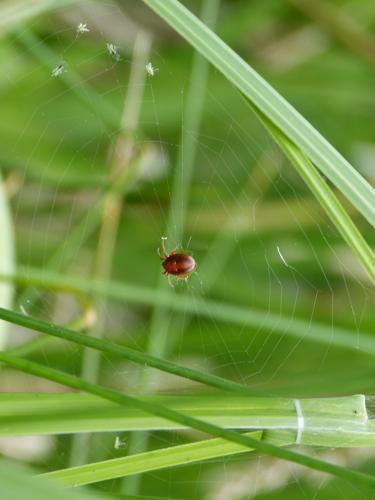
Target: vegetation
[{"x": 253, "y": 149}]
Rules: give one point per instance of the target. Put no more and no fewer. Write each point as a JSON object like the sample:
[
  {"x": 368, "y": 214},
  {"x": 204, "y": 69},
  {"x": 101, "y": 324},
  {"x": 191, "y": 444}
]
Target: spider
[{"x": 176, "y": 263}]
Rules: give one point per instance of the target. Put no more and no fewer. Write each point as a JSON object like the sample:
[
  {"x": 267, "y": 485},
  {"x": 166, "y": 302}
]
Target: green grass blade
[
  {"x": 124, "y": 400},
  {"x": 18, "y": 482},
  {"x": 268, "y": 101},
  {"x": 130, "y": 354},
  {"x": 338, "y": 422},
  {"x": 12, "y": 13},
  {"x": 237, "y": 315},
  {"x": 148, "y": 461},
  {"x": 324, "y": 195},
  {"x": 6, "y": 257}
]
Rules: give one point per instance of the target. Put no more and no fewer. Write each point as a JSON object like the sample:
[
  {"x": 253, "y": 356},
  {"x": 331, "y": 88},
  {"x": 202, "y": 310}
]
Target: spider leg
[
  {"x": 162, "y": 256},
  {"x": 163, "y": 240},
  {"x": 169, "y": 281}
]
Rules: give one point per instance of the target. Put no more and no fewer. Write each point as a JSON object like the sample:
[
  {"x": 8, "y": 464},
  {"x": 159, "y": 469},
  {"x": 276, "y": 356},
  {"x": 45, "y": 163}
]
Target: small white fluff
[
  {"x": 119, "y": 443},
  {"x": 82, "y": 28},
  {"x": 59, "y": 70},
  {"x": 114, "y": 51},
  {"x": 150, "y": 69}
]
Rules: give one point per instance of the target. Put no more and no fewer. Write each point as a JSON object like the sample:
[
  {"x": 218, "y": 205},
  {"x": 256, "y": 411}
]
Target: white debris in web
[
  {"x": 114, "y": 52},
  {"x": 119, "y": 443},
  {"x": 58, "y": 71},
  {"x": 150, "y": 69},
  {"x": 82, "y": 28}
]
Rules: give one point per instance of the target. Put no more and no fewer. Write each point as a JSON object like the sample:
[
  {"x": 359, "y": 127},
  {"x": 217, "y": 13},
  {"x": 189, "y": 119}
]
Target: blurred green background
[{"x": 260, "y": 239}]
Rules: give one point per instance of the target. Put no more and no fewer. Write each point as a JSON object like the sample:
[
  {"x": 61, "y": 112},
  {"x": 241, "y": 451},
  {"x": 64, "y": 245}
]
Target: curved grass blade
[
  {"x": 324, "y": 195},
  {"x": 271, "y": 103}
]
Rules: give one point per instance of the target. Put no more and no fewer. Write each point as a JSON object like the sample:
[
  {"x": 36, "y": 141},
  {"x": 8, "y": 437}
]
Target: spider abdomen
[{"x": 179, "y": 264}]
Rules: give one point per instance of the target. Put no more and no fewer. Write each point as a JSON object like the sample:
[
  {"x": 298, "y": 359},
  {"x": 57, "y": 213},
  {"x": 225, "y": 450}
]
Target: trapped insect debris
[
  {"x": 114, "y": 52},
  {"x": 82, "y": 28},
  {"x": 150, "y": 69},
  {"x": 58, "y": 70}
]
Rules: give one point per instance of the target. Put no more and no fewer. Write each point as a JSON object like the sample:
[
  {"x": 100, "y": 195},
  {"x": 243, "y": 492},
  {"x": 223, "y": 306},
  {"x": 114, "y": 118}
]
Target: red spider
[{"x": 176, "y": 263}]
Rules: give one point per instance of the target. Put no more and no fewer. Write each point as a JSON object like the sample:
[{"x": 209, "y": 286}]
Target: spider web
[{"x": 260, "y": 239}]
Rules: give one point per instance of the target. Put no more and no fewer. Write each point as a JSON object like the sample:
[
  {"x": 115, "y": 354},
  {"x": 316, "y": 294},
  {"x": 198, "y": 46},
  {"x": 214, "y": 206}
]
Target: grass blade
[
  {"x": 124, "y": 400},
  {"x": 271, "y": 104},
  {"x": 329, "y": 422},
  {"x": 13, "y": 13},
  {"x": 130, "y": 354},
  {"x": 18, "y": 483},
  {"x": 6, "y": 258},
  {"x": 148, "y": 461},
  {"x": 231, "y": 313},
  {"x": 324, "y": 195}
]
